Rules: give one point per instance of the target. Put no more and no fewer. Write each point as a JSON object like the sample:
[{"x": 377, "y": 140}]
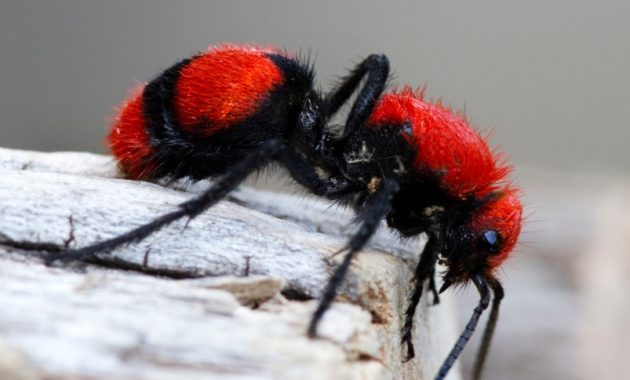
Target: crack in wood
[
  {"x": 70, "y": 238},
  {"x": 42, "y": 249},
  {"x": 246, "y": 268}
]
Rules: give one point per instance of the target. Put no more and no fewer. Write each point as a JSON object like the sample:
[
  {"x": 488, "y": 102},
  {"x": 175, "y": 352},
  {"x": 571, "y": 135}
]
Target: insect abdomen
[
  {"x": 129, "y": 140},
  {"x": 192, "y": 101}
]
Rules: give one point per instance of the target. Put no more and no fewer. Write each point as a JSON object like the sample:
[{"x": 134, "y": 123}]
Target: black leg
[
  {"x": 376, "y": 208},
  {"x": 497, "y": 289},
  {"x": 482, "y": 286},
  {"x": 424, "y": 271},
  {"x": 223, "y": 185},
  {"x": 304, "y": 173},
  {"x": 433, "y": 288},
  {"x": 377, "y": 69}
]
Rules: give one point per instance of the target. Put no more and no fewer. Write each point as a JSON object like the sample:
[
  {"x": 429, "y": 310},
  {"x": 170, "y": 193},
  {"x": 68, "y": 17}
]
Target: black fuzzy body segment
[
  {"x": 382, "y": 151},
  {"x": 180, "y": 153}
]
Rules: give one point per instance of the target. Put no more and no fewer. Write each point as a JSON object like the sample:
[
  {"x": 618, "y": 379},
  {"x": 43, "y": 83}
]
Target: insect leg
[
  {"x": 223, "y": 185},
  {"x": 304, "y": 173},
  {"x": 376, "y": 67},
  {"x": 433, "y": 288},
  {"x": 375, "y": 209},
  {"x": 424, "y": 271}
]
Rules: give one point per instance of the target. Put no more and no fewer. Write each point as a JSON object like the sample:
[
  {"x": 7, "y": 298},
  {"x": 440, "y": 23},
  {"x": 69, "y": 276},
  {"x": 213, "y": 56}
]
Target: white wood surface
[{"x": 227, "y": 317}]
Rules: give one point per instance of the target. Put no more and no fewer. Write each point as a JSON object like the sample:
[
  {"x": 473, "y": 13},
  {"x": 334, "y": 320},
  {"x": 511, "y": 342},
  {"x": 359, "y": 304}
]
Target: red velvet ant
[{"x": 232, "y": 110}]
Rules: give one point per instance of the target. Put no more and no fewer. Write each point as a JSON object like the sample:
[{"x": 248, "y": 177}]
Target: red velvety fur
[
  {"x": 217, "y": 89},
  {"x": 445, "y": 142},
  {"x": 503, "y": 214},
  {"x": 448, "y": 146},
  {"x": 129, "y": 139},
  {"x": 224, "y": 86}
]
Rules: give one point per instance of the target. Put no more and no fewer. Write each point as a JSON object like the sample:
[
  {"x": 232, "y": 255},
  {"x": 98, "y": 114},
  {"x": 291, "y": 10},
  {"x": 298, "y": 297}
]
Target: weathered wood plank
[{"x": 106, "y": 321}]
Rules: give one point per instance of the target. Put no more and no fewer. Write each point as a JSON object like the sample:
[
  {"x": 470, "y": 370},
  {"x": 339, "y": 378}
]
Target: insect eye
[{"x": 490, "y": 242}]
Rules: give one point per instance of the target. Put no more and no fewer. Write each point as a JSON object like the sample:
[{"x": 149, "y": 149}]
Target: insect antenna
[
  {"x": 491, "y": 324},
  {"x": 482, "y": 286}
]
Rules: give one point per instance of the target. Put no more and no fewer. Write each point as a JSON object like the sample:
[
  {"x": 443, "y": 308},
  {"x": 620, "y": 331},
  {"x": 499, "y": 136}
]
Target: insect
[{"x": 232, "y": 110}]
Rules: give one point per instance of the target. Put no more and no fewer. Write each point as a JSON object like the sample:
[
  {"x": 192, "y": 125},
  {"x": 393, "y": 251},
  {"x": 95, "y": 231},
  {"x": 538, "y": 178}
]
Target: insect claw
[{"x": 447, "y": 283}]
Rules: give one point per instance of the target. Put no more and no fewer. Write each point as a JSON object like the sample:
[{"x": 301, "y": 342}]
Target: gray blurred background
[{"x": 551, "y": 78}]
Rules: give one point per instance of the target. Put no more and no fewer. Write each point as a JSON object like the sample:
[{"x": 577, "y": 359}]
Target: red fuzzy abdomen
[
  {"x": 223, "y": 87},
  {"x": 129, "y": 140},
  {"x": 213, "y": 91},
  {"x": 446, "y": 145}
]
